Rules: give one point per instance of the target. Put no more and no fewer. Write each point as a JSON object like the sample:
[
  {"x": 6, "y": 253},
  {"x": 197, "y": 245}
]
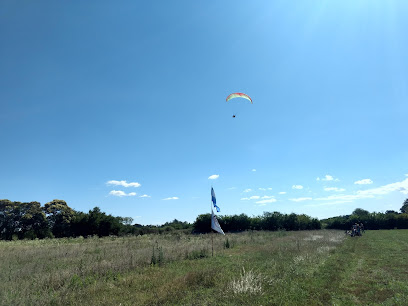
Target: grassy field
[{"x": 251, "y": 268}]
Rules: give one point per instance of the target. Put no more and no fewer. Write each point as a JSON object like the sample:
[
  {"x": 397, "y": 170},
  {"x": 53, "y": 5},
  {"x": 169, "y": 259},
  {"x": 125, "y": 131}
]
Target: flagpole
[
  {"x": 212, "y": 244},
  {"x": 211, "y": 232}
]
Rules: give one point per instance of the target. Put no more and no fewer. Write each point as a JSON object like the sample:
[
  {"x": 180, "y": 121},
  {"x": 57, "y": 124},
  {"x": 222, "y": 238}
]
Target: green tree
[
  {"x": 9, "y": 219},
  {"x": 202, "y": 224},
  {"x": 404, "y": 208},
  {"x": 33, "y": 221},
  {"x": 59, "y": 216},
  {"x": 290, "y": 222},
  {"x": 360, "y": 212},
  {"x": 24, "y": 220},
  {"x": 272, "y": 221}
]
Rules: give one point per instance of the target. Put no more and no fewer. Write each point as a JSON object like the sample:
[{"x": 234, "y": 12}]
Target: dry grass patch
[{"x": 248, "y": 282}]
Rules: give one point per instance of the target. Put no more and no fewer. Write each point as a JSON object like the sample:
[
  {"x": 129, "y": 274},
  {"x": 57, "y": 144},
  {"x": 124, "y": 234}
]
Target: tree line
[
  {"x": 31, "y": 220},
  {"x": 268, "y": 222},
  {"x": 371, "y": 221}
]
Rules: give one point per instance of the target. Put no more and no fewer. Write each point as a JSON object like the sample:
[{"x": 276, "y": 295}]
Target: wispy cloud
[
  {"x": 171, "y": 198},
  {"x": 258, "y": 197},
  {"x": 213, "y": 177},
  {"x": 145, "y": 196},
  {"x": 120, "y": 193},
  {"x": 364, "y": 182},
  {"x": 282, "y": 192},
  {"x": 232, "y": 188},
  {"x": 300, "y": 199},
  {"x": 398, "y": 186},
  {"x": 264, "y": 189},
  {"x": 266, "y": 201},
  {"x": 327, "y": 178},
  {"x": 251, "y": 198},
  {"x": 334, "y": 189},
  {"x": 123, "y": 183},
  {"x": 369, "y": 193},
  {"x": 344, "y": 197},
  {"x": 248, "y": 190},
  {"x": 297, "y": 187},
  {"x": 253, "y": 170}
]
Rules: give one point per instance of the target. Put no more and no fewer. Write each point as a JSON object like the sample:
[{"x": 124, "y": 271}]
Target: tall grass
[{"x": 257, "y": 268}]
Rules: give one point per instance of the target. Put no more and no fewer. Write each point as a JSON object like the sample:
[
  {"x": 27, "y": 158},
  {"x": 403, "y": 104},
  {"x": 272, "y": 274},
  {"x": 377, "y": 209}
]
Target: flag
[
  {"x": 214, "y": 200},
  {"x": 214, "y": 224}
]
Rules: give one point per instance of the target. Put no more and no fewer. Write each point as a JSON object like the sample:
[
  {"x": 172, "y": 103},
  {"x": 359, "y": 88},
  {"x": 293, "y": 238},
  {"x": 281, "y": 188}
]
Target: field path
[{"x": 372, "y": 269}]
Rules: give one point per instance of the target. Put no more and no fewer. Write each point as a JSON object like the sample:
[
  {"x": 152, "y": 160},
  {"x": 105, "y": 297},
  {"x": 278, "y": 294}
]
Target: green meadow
[{"x": 323, "y": 267}]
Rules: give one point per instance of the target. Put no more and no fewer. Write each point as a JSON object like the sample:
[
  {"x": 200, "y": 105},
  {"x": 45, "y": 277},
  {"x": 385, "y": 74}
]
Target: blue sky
[{"x": 122, "y": 106}]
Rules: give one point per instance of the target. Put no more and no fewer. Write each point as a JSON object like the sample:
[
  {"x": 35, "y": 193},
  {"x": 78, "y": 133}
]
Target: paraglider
[{"x": 238, "y": 95}]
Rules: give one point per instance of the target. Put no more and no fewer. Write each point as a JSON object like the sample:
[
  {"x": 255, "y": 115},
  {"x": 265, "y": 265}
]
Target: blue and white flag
[
  {"x": 214, "y": 200},
  {"x": 215, "y": 225}
]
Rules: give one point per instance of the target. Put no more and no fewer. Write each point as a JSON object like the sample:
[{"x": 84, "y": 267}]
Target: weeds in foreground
[{"x": 248, "y": 282}]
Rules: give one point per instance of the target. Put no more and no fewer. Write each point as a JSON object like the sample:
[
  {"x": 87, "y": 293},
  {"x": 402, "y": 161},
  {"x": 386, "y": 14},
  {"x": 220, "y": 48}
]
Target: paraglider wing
[{"x": 238, "y": 95}]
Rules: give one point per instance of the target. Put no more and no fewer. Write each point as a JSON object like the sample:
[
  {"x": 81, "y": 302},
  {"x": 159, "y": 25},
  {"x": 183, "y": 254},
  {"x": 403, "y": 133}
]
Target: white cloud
[
  {"x": 334, "y": 189},
  {"x": 282, "y": 192},
  {"x": 297, "y": 187},
  {"x": 213, "y": 177},
  {"x": 254, "y": 197},
  {"x": 258, "y": 197},
  {"x": 145, "y": 196},
  {"x": 248, "y": 190},
  {"x": 171, "y": 198},
  {"x": 327, "y": 178},
  {"x": 264, "y": 189},
  {"x": 398, "y": 186},
  {"x": 364, "y": 182},
  {"x": 251, "y": 198},
  {"x": 120, "y": 193},
  {"x": 344, "y": 197},
  {"x": 123, "y": 183},
  {"x": 232, "y": 188},
  {"x": 367, "y": 194},
  {"x": 253, "y": 170},
  {"x": 300, "y": 199},
  {"x": 266, "y": 201},
  {"x": 406, "y": 174}
]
